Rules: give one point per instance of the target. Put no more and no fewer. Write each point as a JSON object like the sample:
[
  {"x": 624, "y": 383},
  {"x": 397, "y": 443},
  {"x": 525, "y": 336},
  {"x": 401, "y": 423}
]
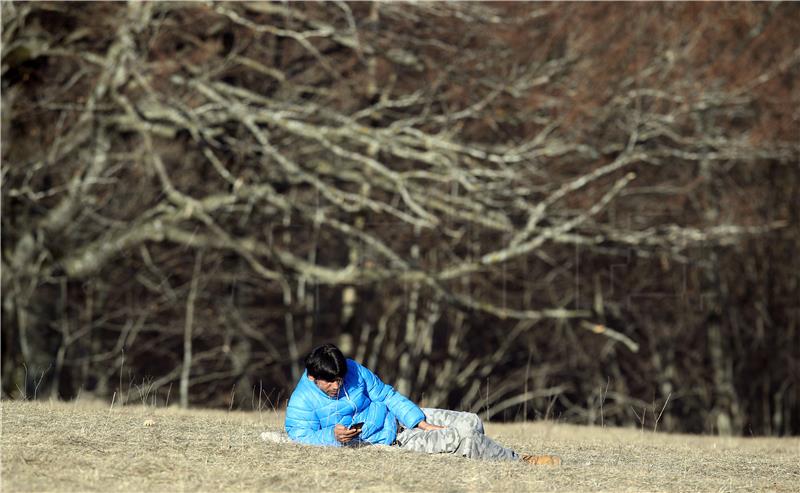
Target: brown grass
[{"x": 53, "y": 446}]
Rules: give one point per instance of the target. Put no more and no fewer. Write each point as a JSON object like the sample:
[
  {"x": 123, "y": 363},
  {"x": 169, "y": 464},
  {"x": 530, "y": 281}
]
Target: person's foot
[{"x": 542, "y": 460}]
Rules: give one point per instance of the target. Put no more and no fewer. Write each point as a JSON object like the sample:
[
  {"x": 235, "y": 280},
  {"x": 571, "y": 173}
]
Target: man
[{"x": 339, "y": 402}]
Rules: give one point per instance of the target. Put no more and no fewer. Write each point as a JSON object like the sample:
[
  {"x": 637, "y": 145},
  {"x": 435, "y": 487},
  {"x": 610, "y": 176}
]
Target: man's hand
[
  {"x": 344, "y": 434},
  {"x": 425, "y": 426}
]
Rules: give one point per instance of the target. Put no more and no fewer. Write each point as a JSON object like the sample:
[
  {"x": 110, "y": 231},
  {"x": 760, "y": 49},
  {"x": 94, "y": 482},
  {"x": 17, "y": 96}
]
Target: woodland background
[{"x": 585, "y": 212}]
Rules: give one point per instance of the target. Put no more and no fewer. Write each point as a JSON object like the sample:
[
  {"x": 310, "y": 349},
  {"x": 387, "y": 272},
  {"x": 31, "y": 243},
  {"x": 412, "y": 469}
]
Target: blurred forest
[{"x": 584, "y": 212}]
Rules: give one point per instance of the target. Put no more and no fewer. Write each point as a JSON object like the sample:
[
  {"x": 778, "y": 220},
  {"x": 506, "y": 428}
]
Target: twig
[
  {"x": 487, "y": 399},
  {"x": 39, "y": 382},
  {"x": 655, "y": 427},
  {"x": 640, "y": 418},
  {"x": 233, "y": 394},
  {"x": 549, "y": 410},
  {"x": 187, "y": 332},
  {"x": 611, "y": 334},
  {"x": 24, "y": 390},
  {"x": 602, "y": 403}
]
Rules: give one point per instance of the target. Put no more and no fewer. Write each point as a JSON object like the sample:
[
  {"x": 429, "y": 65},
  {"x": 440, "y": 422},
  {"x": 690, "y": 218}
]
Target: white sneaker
[{"x": 274, "y": 437}]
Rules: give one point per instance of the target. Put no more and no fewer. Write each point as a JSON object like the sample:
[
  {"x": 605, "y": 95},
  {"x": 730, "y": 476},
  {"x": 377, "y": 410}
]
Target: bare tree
[{"x": 449, "y": 186}]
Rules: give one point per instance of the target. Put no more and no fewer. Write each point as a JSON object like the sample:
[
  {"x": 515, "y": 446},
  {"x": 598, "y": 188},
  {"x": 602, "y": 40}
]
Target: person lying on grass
[{"x": 339, "y": 402}]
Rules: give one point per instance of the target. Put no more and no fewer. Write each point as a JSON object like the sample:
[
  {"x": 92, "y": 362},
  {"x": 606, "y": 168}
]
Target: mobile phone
[{"x": 356, "y": 426}]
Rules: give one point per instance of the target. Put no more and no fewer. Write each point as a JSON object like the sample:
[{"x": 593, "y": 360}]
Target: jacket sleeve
[
  {"x": 406, "y": 411},
  {"x": 303, "y": 426}
]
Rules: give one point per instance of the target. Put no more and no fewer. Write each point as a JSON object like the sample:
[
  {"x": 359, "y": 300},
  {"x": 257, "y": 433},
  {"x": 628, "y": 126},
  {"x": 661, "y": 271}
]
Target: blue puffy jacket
[{"x": 312, "y": 414}]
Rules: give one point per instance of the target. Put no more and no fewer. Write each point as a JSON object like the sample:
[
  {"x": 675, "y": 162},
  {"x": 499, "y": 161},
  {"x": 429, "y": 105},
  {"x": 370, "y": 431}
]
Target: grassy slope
[{"x": 51, "y": 446}]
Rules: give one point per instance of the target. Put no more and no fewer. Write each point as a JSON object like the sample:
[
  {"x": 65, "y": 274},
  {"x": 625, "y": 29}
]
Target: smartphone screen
[{"x": 356, "y": 426}]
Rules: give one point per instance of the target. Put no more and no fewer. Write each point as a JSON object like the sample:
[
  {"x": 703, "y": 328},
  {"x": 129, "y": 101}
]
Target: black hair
[{"x": 326, "y": 362}]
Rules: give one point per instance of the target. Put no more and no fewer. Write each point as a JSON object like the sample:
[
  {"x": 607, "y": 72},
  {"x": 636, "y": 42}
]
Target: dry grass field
[{"x": 53, "y": 446}]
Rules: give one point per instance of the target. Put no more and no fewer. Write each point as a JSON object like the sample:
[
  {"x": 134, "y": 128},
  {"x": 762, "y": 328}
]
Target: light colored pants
[{"x": 462, "y": 436}]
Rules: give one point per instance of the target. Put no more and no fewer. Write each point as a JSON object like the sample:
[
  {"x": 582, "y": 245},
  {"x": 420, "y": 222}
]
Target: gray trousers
[{"x": 462, "y": 436}]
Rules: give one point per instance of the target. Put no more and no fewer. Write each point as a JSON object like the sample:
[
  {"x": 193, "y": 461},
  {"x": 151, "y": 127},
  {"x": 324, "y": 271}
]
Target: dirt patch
[{"x": 53, "y": 446}]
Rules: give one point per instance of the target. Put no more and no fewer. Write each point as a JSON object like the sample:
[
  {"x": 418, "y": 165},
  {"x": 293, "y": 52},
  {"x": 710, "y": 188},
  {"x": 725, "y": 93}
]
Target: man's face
[{"x": 331, "y": 388}]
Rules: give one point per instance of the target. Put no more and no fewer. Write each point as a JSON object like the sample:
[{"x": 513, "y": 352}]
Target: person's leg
[
  {"x": 472, "y": 444},
  {"x": 480, "y": 446},
  {"x": 464, "y": 422}
]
